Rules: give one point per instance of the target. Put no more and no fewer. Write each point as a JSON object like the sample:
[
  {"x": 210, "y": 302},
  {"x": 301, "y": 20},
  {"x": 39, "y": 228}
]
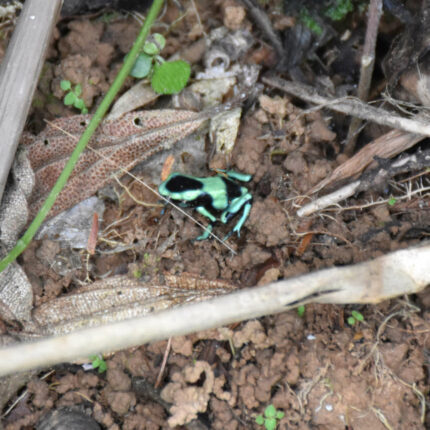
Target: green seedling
[
  {"x": 137, "y": 273},
  {"x": 270, "y": 418},
  {"x": 355, "y": 317},
  {"x": 336, "y": 11},
  {"x": 72, "y": 97},
  {"x": 98, "y": 362},
  {"x": 392, "y": 201},
  {"x": 339, "y": 9},
  {"x": 310, "y": 22},
  {"x": 167, "y": 77},
  {"x": 301, "y": 311}
]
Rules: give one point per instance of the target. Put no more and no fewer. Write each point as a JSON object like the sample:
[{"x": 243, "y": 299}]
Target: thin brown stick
[
  {"x": 163, "y": 364},
  {"x": 366, "y": 69}
]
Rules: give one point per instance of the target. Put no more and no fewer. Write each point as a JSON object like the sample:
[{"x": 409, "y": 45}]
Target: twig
[
  {"x": 386, "y": 146},
  {"x": 19, "y": 74},
  {"x": 263, "y": 22},
  {"x": 375, "y": 179},
  {"x": 366, "y": 69},
  {"x": 163, "y": 364},
  {"x": 350, "y": 106},
  {"x": 398, "y": 273}
]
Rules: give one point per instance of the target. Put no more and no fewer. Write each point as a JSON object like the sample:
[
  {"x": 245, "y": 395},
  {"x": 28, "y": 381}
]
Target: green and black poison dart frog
[{"x": 218, "y": 197}]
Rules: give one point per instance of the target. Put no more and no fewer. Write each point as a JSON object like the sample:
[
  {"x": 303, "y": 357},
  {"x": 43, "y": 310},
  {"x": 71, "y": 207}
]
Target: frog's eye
[{"x": 179, "y": 183}]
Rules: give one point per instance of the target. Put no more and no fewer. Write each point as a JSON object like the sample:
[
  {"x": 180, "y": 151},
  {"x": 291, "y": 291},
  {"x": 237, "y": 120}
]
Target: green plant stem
[{"x": 25, "y": 240}]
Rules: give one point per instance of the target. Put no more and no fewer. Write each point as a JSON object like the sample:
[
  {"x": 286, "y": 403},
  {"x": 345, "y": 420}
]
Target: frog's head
[{"x": 181, "y": 187}]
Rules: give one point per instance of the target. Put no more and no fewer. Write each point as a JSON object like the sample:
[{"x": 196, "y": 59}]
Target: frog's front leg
[
  {"x": 240, "y": 203},
  {"x": 207, "y": 214}
]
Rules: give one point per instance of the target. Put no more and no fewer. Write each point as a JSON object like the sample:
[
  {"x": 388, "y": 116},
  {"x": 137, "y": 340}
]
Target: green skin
[{"x": 218, "y": 198}]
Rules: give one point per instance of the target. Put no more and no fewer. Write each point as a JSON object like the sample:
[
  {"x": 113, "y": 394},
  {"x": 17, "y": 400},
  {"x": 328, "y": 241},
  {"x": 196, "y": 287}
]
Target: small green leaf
[
  {"x": 259, "y": 420},
  {"x": 301, "y": 311},
  {"x": 99, "y": 363},
  {"x": 170, "y": 77},
  {"x": 159, "y": 40},
  {"x": 392, "y": 201},
  {"x": 142, "y": 66},
  {"x": 65, "y": 85},
  {"x": 102, "y": 366},
  {"x": 357, "y": 315},
  {"x": 79, "y": 104},
  {"x": 339, "y": 10},
  {"x": 84, "y": 111},
  {"x": 78, "y": 90},
  {"x": 310, "y": 22},
  {"x": 270, "y": 411},
  {"x": 151, "y": 48},
  {"x": 280, "y": 415},
  {"x": 69, "y": 99},
  {"x": 137, "y": 273},
  {"x": 270, "y": 423},
  {"x": 351, "y": 321},
  {"x": 155, "y": 44}
]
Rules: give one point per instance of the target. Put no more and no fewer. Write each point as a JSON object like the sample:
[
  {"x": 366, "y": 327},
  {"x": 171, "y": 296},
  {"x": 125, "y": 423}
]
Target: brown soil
[{"x": 320, "y": 371}]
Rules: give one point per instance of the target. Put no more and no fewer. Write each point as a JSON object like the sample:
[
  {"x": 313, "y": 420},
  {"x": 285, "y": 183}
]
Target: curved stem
[{"x": 86, "y": 136}]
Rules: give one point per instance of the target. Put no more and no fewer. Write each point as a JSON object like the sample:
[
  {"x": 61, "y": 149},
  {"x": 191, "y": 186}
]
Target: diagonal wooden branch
[{"x": 398, "y": 273}]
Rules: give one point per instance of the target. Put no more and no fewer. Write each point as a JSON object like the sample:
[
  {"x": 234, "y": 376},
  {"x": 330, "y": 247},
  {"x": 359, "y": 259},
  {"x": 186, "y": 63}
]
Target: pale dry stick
[
  {"x": 329, "y": 199},
  {"x": 374, "y": 348},
  {"x": 385, "y": 146},
  {"x": 420, "y": 160},
  {"x": 350, "y": 106},
  {"x": 22, "y": 395},
  {"x": 345, "y": 192},
  {"x": 19, "y": 73},
  {"x": 397, "y": 273},
  {"x": 381, "y": 417},
  {"x": 374, "y": 351},
  {"x": 417, "y": 392},
  {"x": 366, "y": 68},
  {"x": 125, "y": 170}
]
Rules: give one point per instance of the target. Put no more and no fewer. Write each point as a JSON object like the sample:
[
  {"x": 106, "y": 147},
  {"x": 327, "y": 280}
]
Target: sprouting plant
[
  {"x": 392, "y": 201},
  {"x": 339, "y": 9},
  {"x": 167, "y": 77},
  {"x": 137, "y": 273},
  {"x": 301, "y": 311},
  {"x": 270, "y": 418},
  {"x": 72, "y": 97},
  {"x": 98, "y": 362},
  {"x": 355, "y": 318},
  {"x": 336, "y": 11},
  {"x": 310, "y": 22}
]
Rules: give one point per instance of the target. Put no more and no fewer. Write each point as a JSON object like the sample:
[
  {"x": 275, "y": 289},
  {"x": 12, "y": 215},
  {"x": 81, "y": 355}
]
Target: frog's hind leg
[
  {"x": 243, "y": 204},
  {"x": 208, "y": 229}
]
